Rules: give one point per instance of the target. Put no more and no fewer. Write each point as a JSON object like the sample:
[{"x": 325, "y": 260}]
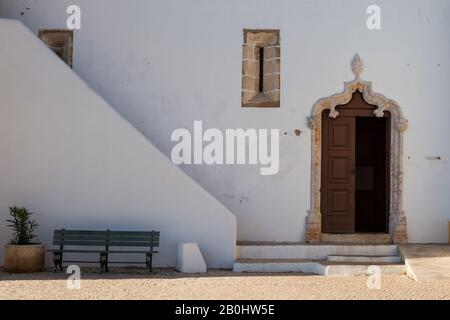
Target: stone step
[
  {"x": 361, "y": 238},
  {"x": 277, "y": 265},
  {"x": 320, "y": 267},
  {"x": 360, "y": 269},
  {"x": 310, "y": 251},
  {"x": 365, "y": 259}
]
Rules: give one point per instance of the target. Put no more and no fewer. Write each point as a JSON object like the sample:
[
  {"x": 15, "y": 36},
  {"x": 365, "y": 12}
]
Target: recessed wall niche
[{"x": 261, "y": 68}]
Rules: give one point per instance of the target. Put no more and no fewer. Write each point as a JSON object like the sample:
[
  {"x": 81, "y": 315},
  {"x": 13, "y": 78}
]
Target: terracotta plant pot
[{"x": 28, "y": 258}]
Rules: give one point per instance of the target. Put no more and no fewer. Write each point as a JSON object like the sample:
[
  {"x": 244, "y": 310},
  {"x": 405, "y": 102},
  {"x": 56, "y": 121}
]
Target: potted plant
[{"x": 23, "y": 254}]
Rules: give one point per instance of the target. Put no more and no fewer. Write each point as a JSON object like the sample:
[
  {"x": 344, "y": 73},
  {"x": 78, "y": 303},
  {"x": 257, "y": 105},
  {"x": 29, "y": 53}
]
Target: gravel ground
[{"x": 217, "y": 284}]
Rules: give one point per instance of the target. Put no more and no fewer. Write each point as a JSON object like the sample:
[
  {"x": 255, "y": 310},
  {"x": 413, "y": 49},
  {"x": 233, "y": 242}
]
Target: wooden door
[{"x": 338, "y": 174}]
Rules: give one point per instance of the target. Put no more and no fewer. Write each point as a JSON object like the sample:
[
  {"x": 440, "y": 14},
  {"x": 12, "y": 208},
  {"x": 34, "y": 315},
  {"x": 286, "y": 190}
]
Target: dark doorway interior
[{"x": 372, "y": 174}]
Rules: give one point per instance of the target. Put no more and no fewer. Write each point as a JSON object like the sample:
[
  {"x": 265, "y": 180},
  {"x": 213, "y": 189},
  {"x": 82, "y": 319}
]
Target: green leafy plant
[{"x": 23, "y": 226}]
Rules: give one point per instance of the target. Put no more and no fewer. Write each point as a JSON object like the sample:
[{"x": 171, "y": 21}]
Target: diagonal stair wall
[{"x": 69, "y": 157}]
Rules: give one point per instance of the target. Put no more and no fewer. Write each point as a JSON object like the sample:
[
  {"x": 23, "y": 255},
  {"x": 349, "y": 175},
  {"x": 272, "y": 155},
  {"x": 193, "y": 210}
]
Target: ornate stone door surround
[{"x": 397, "y": 219}]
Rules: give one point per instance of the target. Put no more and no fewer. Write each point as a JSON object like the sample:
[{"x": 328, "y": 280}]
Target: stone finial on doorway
[{"x": 357, "y": 65}]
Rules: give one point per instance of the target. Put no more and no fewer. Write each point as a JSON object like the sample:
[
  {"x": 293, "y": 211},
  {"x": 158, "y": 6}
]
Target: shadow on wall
[{"x": 69, "y": 157}]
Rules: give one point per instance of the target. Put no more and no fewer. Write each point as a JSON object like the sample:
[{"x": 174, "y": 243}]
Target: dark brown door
[{"x": 338, "y": 174}]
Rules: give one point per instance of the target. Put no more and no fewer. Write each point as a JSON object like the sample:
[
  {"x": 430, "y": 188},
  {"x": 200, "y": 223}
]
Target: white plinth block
[{"x": 190, "y": 259}]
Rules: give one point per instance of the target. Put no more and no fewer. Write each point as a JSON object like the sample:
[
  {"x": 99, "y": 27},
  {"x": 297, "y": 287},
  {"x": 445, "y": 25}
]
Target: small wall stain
[
  {"x": 243, "y": 198},
  {"x": 296, "y": 132}
]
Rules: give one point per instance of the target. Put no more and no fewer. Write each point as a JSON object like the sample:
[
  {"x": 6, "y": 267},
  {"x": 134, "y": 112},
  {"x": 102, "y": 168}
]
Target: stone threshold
[
  {"x": 330, "y": 238},
  {"x": 382, "y": 238}
]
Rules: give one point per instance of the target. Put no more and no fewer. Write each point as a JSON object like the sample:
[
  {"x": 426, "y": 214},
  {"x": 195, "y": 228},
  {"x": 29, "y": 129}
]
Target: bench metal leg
[
  {"x": 148, "y": 261},
  {"x": 57, "y": 261},
  {"x": 104, "y": 261}
]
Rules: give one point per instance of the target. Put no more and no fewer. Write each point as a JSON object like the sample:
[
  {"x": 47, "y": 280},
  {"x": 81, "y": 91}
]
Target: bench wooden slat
[
  {"x": 133, "y": 233},
  {"x": 109, "y": 262},
  {"x": 77, "y": 251},
  {"x": 112, "y": 233},
  {"x": 131, "y": 244},
  {"x": 81, "y": 261},
  {"x": 104, "y": 243},
  {"x": 101, "y": 238},
  {"x": 137, "y": 238},
  {"x": 80, "y": 232},
  {"x": 85, "y": 238},
  {"x": 80, "y": 243},
  {"x": 132, "y": 251},
  {"x": 127, "y": 262}
]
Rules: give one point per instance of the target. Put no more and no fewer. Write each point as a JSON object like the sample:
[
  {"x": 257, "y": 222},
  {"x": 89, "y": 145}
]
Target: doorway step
[
  {"x": 321, "y": 259},
  {"x": 354, "y": 238}
]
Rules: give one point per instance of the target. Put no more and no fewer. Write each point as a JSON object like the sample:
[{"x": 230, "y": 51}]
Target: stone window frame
[
  {"x": 254, "y": 39},
  {"x": 397, "y": 218},
  {"x": 59, "y": 39}
]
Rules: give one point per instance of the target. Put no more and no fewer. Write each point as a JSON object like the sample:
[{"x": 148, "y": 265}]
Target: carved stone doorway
[{"x": 397, "y": 218}]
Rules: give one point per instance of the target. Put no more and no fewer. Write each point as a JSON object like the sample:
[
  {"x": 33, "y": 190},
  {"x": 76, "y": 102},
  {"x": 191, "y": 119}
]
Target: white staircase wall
[{"x": 69, "y": 157}]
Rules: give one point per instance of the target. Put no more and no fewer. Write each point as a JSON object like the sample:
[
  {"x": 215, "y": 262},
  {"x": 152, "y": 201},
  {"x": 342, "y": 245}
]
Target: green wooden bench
[{"x": 104, "y": 243}]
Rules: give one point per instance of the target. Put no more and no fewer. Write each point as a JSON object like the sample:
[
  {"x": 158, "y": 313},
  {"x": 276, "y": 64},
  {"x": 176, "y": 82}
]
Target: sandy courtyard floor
[{"x": 217, "y": 284}]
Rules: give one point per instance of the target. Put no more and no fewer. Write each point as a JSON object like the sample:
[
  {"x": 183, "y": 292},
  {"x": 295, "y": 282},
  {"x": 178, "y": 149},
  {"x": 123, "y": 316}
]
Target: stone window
[
  {"x": 261, "y": 69},
  {"x": 60, "y": 41}
]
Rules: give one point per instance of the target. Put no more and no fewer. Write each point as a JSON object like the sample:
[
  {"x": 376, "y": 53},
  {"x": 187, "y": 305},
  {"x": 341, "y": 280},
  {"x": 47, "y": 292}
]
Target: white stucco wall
[
  {"x": 73, "y": 160},
  {"x": 164, "y": 64}
]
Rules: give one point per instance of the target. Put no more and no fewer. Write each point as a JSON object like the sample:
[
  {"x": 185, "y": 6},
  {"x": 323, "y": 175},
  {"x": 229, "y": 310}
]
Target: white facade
[{"x": 164, "y": 64}]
